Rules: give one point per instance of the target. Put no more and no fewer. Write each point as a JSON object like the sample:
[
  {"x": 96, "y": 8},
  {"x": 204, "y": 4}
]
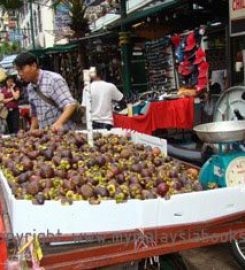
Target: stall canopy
[
  {"x": 217, "y": 7},
  {"x": 149, "y": 10},
  {"x": 56, "y": 49}
]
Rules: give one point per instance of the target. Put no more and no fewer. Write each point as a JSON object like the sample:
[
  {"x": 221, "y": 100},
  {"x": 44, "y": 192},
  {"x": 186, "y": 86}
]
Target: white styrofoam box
[
  {"x": 201, "y": 206},
  {"x": 81, "y": 217},
  {"x": 150, "y": 140}
]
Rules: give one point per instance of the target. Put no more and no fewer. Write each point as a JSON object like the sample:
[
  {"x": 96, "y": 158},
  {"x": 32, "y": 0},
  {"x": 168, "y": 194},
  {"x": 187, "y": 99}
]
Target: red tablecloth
[{"x": 177, "y": 113}]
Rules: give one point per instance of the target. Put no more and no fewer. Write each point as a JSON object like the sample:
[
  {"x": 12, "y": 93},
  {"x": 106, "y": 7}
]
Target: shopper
[
  {"x": 11, "y": 93},
  {"x": 103, "y": 95},
  {"x": 52, "y": 104}
]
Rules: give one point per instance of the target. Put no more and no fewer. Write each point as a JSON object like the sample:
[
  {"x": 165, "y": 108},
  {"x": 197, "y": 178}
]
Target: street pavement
[{"x": 218, "y": 257}]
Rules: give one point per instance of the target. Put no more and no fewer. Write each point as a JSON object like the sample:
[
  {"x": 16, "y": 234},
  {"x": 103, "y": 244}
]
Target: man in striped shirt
[{"x": 54, "y": 87}]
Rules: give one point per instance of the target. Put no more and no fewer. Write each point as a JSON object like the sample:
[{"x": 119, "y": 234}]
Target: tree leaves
[{"x": 77, "y": 9}]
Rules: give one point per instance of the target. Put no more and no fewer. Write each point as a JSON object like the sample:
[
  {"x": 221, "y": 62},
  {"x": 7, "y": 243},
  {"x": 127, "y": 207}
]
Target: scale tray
[{"x": 221, "y": 132}]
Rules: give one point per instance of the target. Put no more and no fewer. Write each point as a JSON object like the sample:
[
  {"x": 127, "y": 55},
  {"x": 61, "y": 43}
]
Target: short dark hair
[
  {"x": 100, "y": 72},
  {"x": 25, "y": 58},
  {"x": 9, "y": 77}
]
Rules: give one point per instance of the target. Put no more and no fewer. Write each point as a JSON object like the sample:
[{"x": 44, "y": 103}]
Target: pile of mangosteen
[{"x": 41, "y": 165}]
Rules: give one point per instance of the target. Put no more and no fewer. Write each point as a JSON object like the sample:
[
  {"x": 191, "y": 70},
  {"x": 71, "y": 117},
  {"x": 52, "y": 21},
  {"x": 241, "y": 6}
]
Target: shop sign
[
  {"x": 237, "y": 17},
  {"x": 62, "y": 20}
]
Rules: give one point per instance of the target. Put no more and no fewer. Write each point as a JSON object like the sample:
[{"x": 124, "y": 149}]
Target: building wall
[{"x": 43, "y": 24}]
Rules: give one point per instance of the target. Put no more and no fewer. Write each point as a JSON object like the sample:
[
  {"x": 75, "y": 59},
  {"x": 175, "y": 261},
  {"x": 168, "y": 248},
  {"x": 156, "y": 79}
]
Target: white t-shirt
[{"x": 103, "y": 94}]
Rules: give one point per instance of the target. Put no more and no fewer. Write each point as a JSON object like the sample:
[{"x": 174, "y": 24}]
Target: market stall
[
  {"x": 178, "y": 113},
  {"x": 113, "y": 231}
]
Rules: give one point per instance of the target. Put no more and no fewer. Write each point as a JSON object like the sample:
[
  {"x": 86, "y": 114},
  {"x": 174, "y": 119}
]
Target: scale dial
[{"x": 235, "y": 172}]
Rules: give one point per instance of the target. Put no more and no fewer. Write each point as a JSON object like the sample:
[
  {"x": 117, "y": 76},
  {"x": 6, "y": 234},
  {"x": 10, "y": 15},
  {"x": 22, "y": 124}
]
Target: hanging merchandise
[
  {"x": 175, "y": 39},
  {"x": 200, "y": 56},
  {"x": 67, "y": 64},
  {"x": 179, "y": 52},
  {"x": 190, "y": 59},
  {"x": 190, "y": 42},
  {"x": 160, "y": 64}
]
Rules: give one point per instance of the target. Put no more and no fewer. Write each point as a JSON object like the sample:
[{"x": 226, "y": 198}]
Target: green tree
[
  {"x": 7, "y": 48},
  {"x": 77, "y": 8}
]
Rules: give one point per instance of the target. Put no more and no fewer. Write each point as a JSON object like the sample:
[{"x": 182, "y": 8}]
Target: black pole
[
  {"x": 31, "y": 24},
  {"x": 125, "y": 51}
]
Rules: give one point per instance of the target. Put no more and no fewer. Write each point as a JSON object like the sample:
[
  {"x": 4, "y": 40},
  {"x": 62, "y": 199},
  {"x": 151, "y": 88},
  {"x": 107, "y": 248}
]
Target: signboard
[
  {"x": 62, "y": 20},
  {"x": 237, "y": 17}
]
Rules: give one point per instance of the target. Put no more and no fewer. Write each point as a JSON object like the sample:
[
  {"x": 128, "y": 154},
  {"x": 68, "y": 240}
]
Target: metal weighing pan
[{"x": 221, "y": 132}]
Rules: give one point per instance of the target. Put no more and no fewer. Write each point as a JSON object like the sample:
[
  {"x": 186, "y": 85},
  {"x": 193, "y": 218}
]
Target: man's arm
[
  {"x": 63, "y": 98},
  {"x": 34, "y": 120},
  {"x": 64, "y": 117},
  {"x": 116, "y": 94},
  {"x": 34, "y": 123}
]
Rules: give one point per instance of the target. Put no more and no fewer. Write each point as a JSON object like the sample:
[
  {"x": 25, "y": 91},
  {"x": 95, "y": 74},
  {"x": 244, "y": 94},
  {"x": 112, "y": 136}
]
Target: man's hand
[
  {"x": 56, "y": 126},
  {"x": 65, "y": 116},
  {"x": 34, "y": 123}
]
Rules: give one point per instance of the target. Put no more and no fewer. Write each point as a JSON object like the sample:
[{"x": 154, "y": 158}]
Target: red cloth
[
  {"x": 177, "y": 113},
  {"x": 24, "y": 111},
  {"x": 3, "y": 245},
  {"x": 8, "y": 94}
]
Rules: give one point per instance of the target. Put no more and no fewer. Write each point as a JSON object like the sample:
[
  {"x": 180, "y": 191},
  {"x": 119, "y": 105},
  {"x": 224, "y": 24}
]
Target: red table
[{"x": 177, "y": 113}]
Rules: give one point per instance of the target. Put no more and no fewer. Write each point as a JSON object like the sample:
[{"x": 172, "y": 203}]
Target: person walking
[
  {"x": 52, "y": 104},
  {"x": 103, "y": 95}
]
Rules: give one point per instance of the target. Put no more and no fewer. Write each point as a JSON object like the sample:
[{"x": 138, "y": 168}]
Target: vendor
[
  {"x": 11, "y": 93},
  {"x": 51, "y": 101},
  {"x": 103, "y": 95}
]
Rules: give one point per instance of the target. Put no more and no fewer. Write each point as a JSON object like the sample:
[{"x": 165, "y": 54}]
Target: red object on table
[
  {"x": 24, "y": 111},
  {"x": 177, "y": 113},
  {"x": 3, "y": 245}
]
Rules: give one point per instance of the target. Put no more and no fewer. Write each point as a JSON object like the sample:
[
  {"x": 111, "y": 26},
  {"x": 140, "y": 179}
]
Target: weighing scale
[{"x": 227, "y": 167}]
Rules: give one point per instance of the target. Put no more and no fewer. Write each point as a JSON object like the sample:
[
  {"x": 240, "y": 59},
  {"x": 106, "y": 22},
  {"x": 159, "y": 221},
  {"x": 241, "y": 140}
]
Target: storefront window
[{"x": 238, "y": 51}]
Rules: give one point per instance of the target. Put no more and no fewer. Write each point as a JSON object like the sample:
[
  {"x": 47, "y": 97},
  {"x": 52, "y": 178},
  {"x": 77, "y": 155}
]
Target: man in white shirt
[{"x": 103, "y": 95}]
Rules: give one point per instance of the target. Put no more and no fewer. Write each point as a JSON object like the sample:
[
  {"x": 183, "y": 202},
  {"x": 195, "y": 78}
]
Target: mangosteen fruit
[{"x": 162, "y": 189}]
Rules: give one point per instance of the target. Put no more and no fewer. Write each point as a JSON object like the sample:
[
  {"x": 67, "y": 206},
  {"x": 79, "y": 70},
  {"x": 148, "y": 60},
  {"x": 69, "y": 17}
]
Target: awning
[
  {"x": 56, "y": 49},
  {"x": 142, "y": 14},
  {"x": 107, "y": 34},
  {"x": 62, "y": 48}
]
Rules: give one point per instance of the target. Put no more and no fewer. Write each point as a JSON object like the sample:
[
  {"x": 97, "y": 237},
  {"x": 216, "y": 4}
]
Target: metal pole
[
  {"x": 31, "y": 24},
  {"x": 228, "y": 56},
  {"x": 125, "y": 54}
]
